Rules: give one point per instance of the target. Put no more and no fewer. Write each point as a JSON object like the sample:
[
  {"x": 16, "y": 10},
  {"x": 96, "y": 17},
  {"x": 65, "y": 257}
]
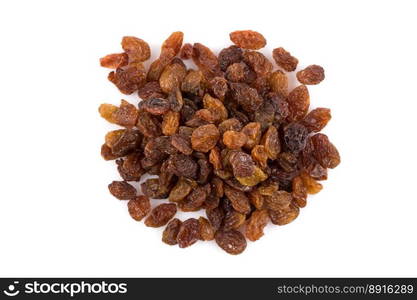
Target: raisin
[
  {"x": 231, "y": 241},
  {"x": 279, "y": 83},
  {"x": 151, "y": 90},
  {"x": 242, "y": 164},
  {"x": 216, "y": 107},
  {"x": 324, "y": 151},
  {"x": 123, "y": 142},
  {"x": 122, "y": 190},
  {"x": 204, "y": 138},
  {"x": 268, "y": 188},
  {"x": 246, "y": 96},
  {"x": 295, "y": 137},
  {"x": 317, "y": 119},
  {"x": 233, "y": 220},
  {"x": 260, "y": 155},
  {"x": 217, "y": 187},
  {"x": 240, "y": 72},
  {"x": 229, "y": 56},
  {"x": 284, "y": 59},
  {"x": 284, "y": 216},
  {"x": 214, "y": 158},
  {"x": 313, "y": 187},
  {"x": 206, "y": 61},
  {"x": 238, "y": 199},
  {"x": 186, "y": 51},
  {"x": 258, "y": 62},
  {"x": 215, "y": 216},
  {"x": 270, "y": 141},
  {"x": 230, "y": 124},
  {"x": 172, "y": 76},
  {"x": 278, "y": 200},
  {"x": 114, "y": 61},
  {"x": 182, "y": 143},
  {"x": 128, "y": 79},
  {"x": 298, "y": 103},
  {"x": 107, "y": 154},
  {"x": 256, "y": 199},
  {"x": 153, "y": 189},
  {"x": 137, "y": 49},
  {"x": 170, "y": 123},
  {"x": 161, "y": 214},
  {"x": 234, "y": 183},
  {"x": 156, "y": 106},
  {"x": 181, "y": 190},
  {"x": 193, "y": 83},
  {"x": 257, "y": 177},
  {"x": 189, "y": 233},
  {"x": 255, "y": 226},
  {"x": 219, "y": 87},
  {"x": 234, "y": 140},
  {"x": 139, "y": 207},
  {"x": 130, "y": 168},
  {"x": 248, "y": 39},
  {"x": 159, "y": 64},
  {"x": 287, "y": 161},
  {"x": 183, "y": 165},
  {"x": 313, "y": 74},
  {"x": 125, "y": 115},
  {"x": 299, "y": 192},
  {"x": 253, "y": 133},
  {"x": 169, "y": 236},
  {"x": 204, "y": 172},
  {"x": 173, "y": 42},
  {"x": 148, "y": 125},
  {"x": 206, "y": 229}
]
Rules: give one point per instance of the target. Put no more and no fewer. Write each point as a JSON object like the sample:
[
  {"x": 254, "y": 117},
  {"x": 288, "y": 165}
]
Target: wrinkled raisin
[
  {"x": 313, "y": 74},
  {"x": 169, "y": 236},
  {"x": 189, "y": 233},
  {"x": 161, "y": 214},
  {"x": 139, "y": 207},
  {"x": 122, "y": 190},
  {"x": 231, "y": 241},
  {"x": 284, "y": 59}
]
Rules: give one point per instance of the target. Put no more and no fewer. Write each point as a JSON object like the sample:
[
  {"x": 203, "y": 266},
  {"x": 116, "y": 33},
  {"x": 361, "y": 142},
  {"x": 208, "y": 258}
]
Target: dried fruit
[
  {"x": 137, "y": 49},
  {"x": 278, "y": 200},
  {"x": 255, "y": 226},
  {"x": 248, "y": 39},
  {"x": 206, "y": 61},
  {"x": 313, "y": 74},
  {"x": 295, "y": 137},
  {"x": 114, "y": 61},
  {"x": 271, "y": 142},
  {"x": 284, "y": 216},
  {"x": 189, "y": 233},
  {"x": 139, "y": 207},
  {"x": 258, "y": 62},
  {"x": 298, "y": 103},
  {"x": 317, "y": 119},
  {"x": 206, "y": 230},
  {"x": 129, "y": 78},
  {"x": 161, "y": 214},
  {"x": 122, "y": 190},
  {"x": 169, "y": 236},
  {"x": 170, "y": 123},
  {"x": 253, "y": 132},
  {"x": 284, "y": 59},
  {"x": 238, "y": 199},
  {"x": 234, "y": 140},
  {"x": 204, "y": 138},
  {"x": 229, "y": 56},
  {"x": 186, "y": 51},
  {"x": 231, "y": 241},
  {"x": 257, "y": 177},
  {"x": 124, "y": 115},
  {"x": 324, "y": 151},
  {"x": 279, "y": 83}
]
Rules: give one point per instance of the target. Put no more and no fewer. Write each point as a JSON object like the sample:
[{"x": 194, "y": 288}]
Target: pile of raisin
[{"x": 226, "y": 136}]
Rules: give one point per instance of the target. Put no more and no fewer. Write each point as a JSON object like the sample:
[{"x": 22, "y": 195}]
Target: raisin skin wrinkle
[
  {"x": 231, "y": 241},
  {"x": 229, "y": 56},
  {"x": 258, "y": 220},
  {"x": 161, "y": 214},
  {"x": 205, "y": 137},
  {"x": 317, "y": 119},
  {"x": 313, "y": 74},
  {"x": 324, "y": 151},
  {"x": 122, "y": 190},
  {"x": 284, "y": 59},
  {"x": 248, "y": 39},
  {"x": 136, "y": 48}
]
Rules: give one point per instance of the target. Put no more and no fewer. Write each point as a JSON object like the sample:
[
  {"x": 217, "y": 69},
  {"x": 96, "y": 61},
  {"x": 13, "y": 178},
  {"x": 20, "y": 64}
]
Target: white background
[{"x": 56, "y": 215}]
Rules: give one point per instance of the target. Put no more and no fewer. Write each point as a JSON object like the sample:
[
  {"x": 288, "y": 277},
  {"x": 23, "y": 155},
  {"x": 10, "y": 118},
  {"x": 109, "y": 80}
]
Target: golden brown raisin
[
  {"x": 270, "y": 141},
  {"x": 181, "y": 190},
  {"x": 298, "y": 103},
  {"x": 317, "y": 119},
  {"x": 216, "y": 107},
  {"x": 284, "y": 216},
  {"x": 169, "y": 236},
  {"x": 255, "y": 226},
  {"x": 204, "y": 138},
  {"x": 278, "y": 200},
  {"x": 122, "y": 190},
  {"x": 125, "y": 115},
  {"x": 238, "y": 199},
  {"x": 313, "y": 187},
  {"x": 248, "y": 39},
  {"x": 173, "y": 42},
  {"x": 161, "y": 214},
  {"x": 206, "y": 61},
  {"x": 233, "y": 220},
  {"x": 114, "y": 61},
  {"x": 214, "y": 158},
  {"x": 139, "y": 207},
  {"x": 189, "y": 233},
  {"x": 260, "y": 155},
  {"x": 219, "y": 87},
  {"x": 206, "y": 230},
  {"x": 130, "y": 78},
  {"x": 137, "y": 49},
  {"x": 231, "y": 241},
  {"x": 253, "y": 132},
  {"x": 324, "y": 151},
  {"x": 170, "y": 122},
  {"x": 252, "y": 180},
  {"x": 172, "y": 76},
  {"x": 194, "y": 83},
  {"x": 186, "y": 51},
  {"x": 313, "y": 74},
  {"x": 284, "y": 59},
  {"x": 279, "y": 83},
  {"x": 234, "y": 140},
  {"x": 182, "y": 143},
  {"x": 240, "y": 72},
  {"x": 258, "y": 62},
  {"x": 242, "y": 164},
  {"x": 299, "y": 192},
  {"x": 230, "y": 124},
  {"x": 156, "y": 68}
]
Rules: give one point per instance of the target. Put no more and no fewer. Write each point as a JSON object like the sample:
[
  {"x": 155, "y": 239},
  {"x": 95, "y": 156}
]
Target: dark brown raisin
[
  {"x": 169, "y": 236},
  {"x": 231, "y": 241},
  {"x": 122, "y": 190},
  {"x": 284, "y": 59},
  {"x": 189, "y": 233},
  {"x": 139, "y": 207},
  {"x": 161, "y": 214},
  {"x": 313, "y": 74}
]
